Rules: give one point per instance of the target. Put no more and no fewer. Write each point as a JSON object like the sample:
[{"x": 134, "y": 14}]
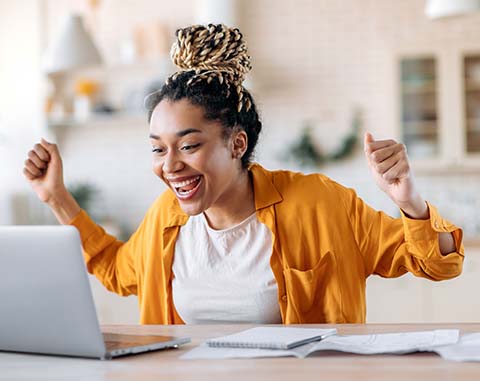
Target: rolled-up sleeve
[{"x": 421, "y": 237}]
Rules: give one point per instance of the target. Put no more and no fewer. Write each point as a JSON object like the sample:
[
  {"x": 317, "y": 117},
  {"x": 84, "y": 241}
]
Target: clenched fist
[
  {"x": 388, "y": 162},
  {"x": 43, "y": 169}
]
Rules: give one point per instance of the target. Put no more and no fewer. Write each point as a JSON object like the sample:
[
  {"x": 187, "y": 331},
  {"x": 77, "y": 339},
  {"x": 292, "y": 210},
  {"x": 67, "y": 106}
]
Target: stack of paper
[{"x": 443, "y": 341}]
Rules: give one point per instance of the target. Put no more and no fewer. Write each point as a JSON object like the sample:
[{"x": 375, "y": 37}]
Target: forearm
[
  {"x": 64, "y": 207},
  {"x": 416, "y": 209}
]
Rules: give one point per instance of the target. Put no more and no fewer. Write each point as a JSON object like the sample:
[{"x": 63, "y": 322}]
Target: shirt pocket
[{"x": 313, "y": 295}]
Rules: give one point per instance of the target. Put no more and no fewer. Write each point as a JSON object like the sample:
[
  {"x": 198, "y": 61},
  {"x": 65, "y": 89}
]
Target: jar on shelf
[{"x": 85, "y": 91}]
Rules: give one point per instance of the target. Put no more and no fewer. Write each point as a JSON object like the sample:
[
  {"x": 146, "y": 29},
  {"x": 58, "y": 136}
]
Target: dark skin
[{"x": 224, "y": 192}]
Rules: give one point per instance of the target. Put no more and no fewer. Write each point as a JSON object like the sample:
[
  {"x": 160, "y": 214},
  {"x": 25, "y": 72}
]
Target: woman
[{"x": 230, "y": 241}]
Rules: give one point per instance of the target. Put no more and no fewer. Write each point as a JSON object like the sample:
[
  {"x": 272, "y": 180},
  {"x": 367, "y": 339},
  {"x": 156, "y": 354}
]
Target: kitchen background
[{"x": 323, "y": 73}]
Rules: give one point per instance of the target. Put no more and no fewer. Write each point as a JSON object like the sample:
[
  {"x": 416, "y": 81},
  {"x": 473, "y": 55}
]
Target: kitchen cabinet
[
  {"x": 419, "y": 118},
  {"x": 439, "y": 109},
  {"x": 471, "y": 79}
]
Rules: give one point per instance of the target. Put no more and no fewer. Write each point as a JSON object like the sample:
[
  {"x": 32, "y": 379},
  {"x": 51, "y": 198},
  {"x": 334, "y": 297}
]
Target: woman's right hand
[{"x": 44, "y": 171}]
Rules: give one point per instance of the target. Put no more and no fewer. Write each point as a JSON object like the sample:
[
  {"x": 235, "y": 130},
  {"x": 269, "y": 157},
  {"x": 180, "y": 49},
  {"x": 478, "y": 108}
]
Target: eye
[
  {"x": 157, "y": 150},
  {"x": 189, "y": 147}
]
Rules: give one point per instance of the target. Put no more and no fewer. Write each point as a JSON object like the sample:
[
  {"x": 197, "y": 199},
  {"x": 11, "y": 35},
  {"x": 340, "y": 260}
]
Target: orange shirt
[{"x": 326, "y": 243}]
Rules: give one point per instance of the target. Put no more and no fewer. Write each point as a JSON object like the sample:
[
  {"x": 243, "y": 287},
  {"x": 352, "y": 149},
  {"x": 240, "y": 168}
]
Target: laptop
[{"x": 46, "y": 304}]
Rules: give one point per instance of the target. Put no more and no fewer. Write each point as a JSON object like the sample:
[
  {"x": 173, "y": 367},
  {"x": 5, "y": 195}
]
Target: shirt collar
[{"x": 264, "y": 190}]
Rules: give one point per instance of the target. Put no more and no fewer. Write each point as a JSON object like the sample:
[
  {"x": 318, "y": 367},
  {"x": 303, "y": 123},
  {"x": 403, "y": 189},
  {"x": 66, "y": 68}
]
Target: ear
[{"x": 239, "y": 143}]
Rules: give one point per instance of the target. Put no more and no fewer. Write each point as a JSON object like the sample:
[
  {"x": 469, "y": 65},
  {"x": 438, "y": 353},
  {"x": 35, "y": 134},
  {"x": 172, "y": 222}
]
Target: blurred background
[{"x": 324, "y": 72}]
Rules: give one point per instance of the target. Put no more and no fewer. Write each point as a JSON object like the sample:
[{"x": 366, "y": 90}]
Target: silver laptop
[{"x": 46, "y": 304}]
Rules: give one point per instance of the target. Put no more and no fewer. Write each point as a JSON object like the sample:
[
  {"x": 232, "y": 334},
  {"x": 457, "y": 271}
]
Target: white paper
[
  {"x": 467, "y": 349},
  {"x": 206, "y": 352},
  {"x": 397, "y": 343}
]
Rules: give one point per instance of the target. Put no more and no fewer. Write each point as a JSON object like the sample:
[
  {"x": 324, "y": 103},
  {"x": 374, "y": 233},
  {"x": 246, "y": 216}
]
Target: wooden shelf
[
  {"x": 420, "y": 88},
  {"x": 95, "y": 121},
  {"x": 420, "y": 127},
  {"x": 161, "y": 65}
]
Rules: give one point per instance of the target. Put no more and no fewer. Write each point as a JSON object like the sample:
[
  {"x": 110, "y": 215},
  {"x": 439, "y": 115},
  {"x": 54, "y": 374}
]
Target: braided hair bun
[{"x": 213, "y": 52}]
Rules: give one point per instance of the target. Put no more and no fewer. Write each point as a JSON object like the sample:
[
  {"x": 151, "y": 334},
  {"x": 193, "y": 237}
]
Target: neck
[{"x": 234, "y": 206}]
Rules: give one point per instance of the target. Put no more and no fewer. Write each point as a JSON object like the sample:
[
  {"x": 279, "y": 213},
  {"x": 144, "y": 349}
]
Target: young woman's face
[{"x": 191, "y": 155}]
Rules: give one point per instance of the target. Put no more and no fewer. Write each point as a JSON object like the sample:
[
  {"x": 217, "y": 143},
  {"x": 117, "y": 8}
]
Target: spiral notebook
[{"x": 272, "y": 337}]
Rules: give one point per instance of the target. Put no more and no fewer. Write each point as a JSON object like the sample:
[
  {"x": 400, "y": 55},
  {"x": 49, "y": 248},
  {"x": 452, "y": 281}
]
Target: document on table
[
  {"x": 395, "y": 343},
  {"x": 467, "y": 349}
]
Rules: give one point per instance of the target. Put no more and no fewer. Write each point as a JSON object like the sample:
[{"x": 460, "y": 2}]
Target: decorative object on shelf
[
  {"x": 103, "y": 108},
  {"x": 446, "y": 8},
  {"x": 73, "y": 48},
  {"x": 306, "y": 153},
  {"x": 85, "y": 90}
]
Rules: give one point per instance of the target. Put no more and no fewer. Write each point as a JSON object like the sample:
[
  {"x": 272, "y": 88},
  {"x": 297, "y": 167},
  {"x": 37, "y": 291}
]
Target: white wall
[{"x": 20, "y": 88}]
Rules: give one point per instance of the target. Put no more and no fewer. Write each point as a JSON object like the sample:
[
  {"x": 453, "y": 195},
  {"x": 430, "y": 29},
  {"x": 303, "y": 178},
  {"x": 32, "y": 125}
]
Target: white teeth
[
  {"x": 184, "y": 193},
  {"x": 184, "y": 183}
]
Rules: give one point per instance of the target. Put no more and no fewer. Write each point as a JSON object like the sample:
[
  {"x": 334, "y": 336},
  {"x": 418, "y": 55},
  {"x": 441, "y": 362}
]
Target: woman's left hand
[{"x": 390, "y": 167}]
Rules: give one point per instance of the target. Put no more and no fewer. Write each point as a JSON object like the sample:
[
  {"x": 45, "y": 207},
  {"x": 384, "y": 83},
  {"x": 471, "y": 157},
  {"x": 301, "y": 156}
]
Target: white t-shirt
[{"x": 224, "y": 276}]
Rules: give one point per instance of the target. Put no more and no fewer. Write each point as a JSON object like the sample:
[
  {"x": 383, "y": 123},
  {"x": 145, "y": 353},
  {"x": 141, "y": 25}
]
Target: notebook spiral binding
[{"x": 230, "y": 344}]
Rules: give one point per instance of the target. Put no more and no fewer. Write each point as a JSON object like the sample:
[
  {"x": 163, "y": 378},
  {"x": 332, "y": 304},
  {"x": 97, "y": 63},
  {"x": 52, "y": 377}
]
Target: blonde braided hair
[{"x": 213, "y": 51}]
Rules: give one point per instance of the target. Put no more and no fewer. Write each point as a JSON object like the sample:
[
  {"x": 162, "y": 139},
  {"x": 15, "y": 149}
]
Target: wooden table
[{"x": 165, "y": 365}]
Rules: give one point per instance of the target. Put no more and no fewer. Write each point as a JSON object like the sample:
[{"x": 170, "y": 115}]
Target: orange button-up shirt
[{"x": 326, "y": 243}]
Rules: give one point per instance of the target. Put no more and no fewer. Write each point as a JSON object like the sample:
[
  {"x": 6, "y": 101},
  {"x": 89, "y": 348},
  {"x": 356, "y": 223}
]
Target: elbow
[{"x": 446, "y": 270}]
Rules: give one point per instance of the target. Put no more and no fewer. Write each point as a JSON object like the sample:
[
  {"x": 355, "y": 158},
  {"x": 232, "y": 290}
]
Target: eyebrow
[{"x": 179, "y": 133}]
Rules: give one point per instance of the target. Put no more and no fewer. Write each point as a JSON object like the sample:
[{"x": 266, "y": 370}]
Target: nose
[{"x": 171, "y": 162}]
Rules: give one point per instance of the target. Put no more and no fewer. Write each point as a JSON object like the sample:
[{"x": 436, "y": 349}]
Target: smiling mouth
[{"x": 186, "y": 189}]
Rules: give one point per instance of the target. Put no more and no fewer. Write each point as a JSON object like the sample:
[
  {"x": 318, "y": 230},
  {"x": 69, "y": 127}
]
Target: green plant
[
  {"x": 306, "y": 153},
  {"x": 84, "y": 194}
]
